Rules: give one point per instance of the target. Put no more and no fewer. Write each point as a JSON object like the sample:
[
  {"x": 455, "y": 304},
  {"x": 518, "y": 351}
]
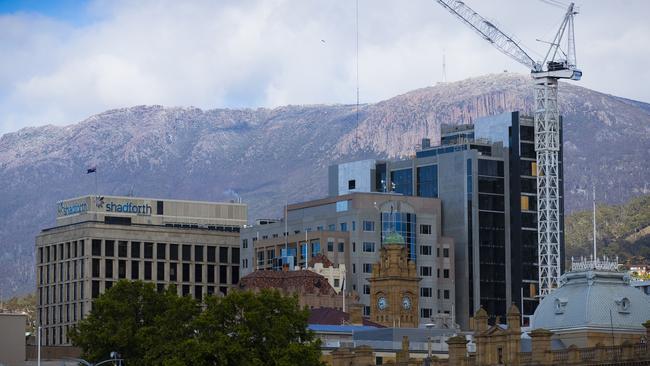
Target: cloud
[{"x": 213, "y": 54}]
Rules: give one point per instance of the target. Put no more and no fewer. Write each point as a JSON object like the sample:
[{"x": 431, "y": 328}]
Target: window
[
  {"x": 223, "y": 275},
  {"x": 402, "y": 181},
  {"x": 367, "y": 268},
  {"x": 244, "y": 244},
  {"x": 331, "y": 227},
  {"x": 368, "y": 225},
  {"x": 426, "y": 292},
  {"x": 173, "y": 252},
  {"x": 148, "y": 250},
  {"x": 95, "y": 289},
  {"x": 344, "y": 226},
  {"x": 97, "y": 249},
  {"x": 198, "y": 273},
  {"x": 446, "y": 292},
  {"x": 135, "y": 249},
  {"x": 425, "y": 250},
  {"x": 366, "y": 289},
  {"x": 427, "y": 181},
  {"x": 341, "y": 247},
  {"x": 354, "y": 226},
  {"x": 109, "y": 248},
  {"x": 135, "y": 270},
  {"x": 330, "y": 246},
  {"x": 445, "y": 252},
  {"x": 95, "y": 268},
  {"x": 425, "y": 229},
  {"x": 186, "y": 272},
  {"x": 234, "y": 274},
  {"x": 160, "y": 271},
  {"x": 122, "y": 249},
  {"x": 212, "y": 254},
  {"x": 352, "y": 184},
  {"x": 198, "y": 293},
  {"x": 198, "y": 253},
  {"x": 337, "y": 282},
  {"x": 354, "y": 268},
  {"x": 187, "y": 252},
  {"x": 425, "y": 313},
  {"x": 425, "y": 271},
  {"x": 173, "y": 277},
  {"x": 445, "y": 273},
  {"x": 121, "y": 269},
  {"x": 108, "y": 268},
  {"x": 147, "y": 270},
  {"x": 161, "y": 249},
  {"x": 234, "y": 253},
  {"x": 368, "y": 246},
  {"x": 210, "y": 273},
  {"x": 223, "y": 254}
]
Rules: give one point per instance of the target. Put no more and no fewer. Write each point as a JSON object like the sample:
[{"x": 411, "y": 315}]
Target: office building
[
  {"x": 484, "y": 174},
  {"x": 100, "y": 240},
  {"x": 350, "y": 229}
]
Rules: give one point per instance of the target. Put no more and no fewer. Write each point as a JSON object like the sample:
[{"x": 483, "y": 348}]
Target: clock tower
[{"x": 394, "y": 286}]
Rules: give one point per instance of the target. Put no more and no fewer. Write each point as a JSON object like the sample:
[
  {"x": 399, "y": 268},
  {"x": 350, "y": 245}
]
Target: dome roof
[{"x": 585, "y": 300}]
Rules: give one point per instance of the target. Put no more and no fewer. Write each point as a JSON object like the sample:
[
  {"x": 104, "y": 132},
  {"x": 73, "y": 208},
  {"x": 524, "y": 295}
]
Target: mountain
[
  {"x": 621, "y": 230},
  {"x": 267, "y": 156}
]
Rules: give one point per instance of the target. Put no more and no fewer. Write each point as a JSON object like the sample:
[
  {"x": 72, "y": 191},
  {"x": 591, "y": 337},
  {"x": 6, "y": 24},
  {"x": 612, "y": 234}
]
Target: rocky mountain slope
[{"x": 268, "y": 156}]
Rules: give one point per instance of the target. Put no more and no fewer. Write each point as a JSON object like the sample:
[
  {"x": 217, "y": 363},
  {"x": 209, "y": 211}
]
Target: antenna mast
[{"x": 594, "y": 218}]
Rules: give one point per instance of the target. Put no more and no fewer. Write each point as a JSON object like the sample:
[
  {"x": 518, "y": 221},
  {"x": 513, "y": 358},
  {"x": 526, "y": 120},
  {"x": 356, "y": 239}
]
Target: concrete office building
[
  {"x": 100, "y": 240},
  {"x": 484, "y": 174},
  {"x": 350, "y": 230}
]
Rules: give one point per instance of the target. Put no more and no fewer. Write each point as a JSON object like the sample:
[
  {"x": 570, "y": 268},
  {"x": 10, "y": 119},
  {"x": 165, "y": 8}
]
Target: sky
[{"x": 63, "y": 61}]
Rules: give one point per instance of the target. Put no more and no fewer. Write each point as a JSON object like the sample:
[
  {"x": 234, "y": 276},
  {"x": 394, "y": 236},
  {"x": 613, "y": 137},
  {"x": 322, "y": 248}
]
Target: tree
[
  {"x": 151, "y": 328},
  {"x": 246, "y": 328},
  {"x": 123, "y": 317}
]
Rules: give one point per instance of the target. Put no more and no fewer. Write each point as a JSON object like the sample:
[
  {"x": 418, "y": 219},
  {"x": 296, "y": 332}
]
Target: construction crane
[{"x": 556, "y": 65}]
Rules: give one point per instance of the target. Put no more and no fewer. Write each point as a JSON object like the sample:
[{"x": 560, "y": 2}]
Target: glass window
[
  {"x": 402, "y": 181},
  {"x": 426, "y": 291},
  {"x": 425, "y": 229},
  {"x": 404, "y": 224},
  {"x": 135, "y": 270},
  {"x": 341, "y": 247},
  {"x": 186, "y": 272},
  {"x": 445, "y": 273},
  {"x": 223, "y": 274},
  {"x": 173, "y": 252},
  {"x": 366, "y": 289},
  {"x": 367, "y": 268},
  {"x": 446, "y": 292},
  {"x": 223, "y": 254},
  {"x": 368, "y": 246},
  {"x": 161, "y": 249},
  {"x": 121, "y": 269},
  {"x": 244, "y": 243},
  {"x": 352, "y": 184},
  {"x": 368, "y": 225},
  {"x": 109, "y": 250},
  {"x": 122, "y": 249},
  {"x": 235, "y": 255},
  {"x": 173, "y": 274},
  {"x": 147, "y": 270},
  {"x": 135, "y": 249},
  {"x": 445, "y": 252},
  {"x": 425, "y": 312},
  {"x": 427, "y": 184},
  {"x": 212, "y": 254},
  {"x": 492, "y": 168},
  {"x": 97, "y": 249},
  {"x": 425, "y": 271},
  {"x": 234, "y": 274},
  {"x": 95, "y": 267},
  {"x": 344, "y": 226},
  {"x": 198, "y": 273},
  {"x": 187, "y": 252},
  {"x": 210, "y": 273},
  {"x": 108, "y": 268},
  {"x": 95, "y": 289},
  {"x": 198, "y": 253},
  {"x": 148, "y": 250},
  {"x": 160, "y": 271},
  {"x": 330, "y": 246},
  {"x": 425, "y": 249}
]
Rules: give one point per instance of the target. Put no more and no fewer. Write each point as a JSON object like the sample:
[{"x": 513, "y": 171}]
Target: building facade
[
  {"x": 100, "y": 240},
  {"x": 484, "y": 174},
  {"x": 350, "y": 230}
]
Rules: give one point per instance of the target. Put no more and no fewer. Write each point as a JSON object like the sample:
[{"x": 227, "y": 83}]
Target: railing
[
  {"x": 587, "y": 354},
  {"x": 525, "y": 357},
  {"x": 560, "y": 356}
]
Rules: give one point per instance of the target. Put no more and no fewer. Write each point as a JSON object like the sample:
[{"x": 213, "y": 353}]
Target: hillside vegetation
[{"x": 622, "y": 230}]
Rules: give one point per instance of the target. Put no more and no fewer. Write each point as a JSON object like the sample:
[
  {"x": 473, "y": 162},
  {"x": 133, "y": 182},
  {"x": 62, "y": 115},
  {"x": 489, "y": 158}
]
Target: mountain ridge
[{"x": 270, "y": 155}]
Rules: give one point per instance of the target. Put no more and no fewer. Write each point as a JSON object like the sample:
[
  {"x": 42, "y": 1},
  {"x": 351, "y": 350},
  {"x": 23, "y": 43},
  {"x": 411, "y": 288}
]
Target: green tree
[
  {"x": 123, "y": 319},
  {"x": 151, "y": 328},
  {"x": 246, "y": 328}
]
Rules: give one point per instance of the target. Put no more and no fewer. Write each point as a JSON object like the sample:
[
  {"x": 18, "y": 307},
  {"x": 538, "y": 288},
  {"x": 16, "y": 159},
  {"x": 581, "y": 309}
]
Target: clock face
[
  {"x": 382, "y": 303},
  {"x": 406, "y": 303}
]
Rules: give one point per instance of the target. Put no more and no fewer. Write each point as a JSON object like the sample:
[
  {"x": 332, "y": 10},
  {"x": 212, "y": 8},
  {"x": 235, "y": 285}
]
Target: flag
[{"x": 91, "y": 170}]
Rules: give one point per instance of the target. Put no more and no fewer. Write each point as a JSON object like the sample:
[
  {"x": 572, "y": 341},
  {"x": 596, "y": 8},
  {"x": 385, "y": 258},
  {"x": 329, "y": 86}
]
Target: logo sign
[
  {"x": 71, "y": 208},
  {"x": 129, "y": 207}
]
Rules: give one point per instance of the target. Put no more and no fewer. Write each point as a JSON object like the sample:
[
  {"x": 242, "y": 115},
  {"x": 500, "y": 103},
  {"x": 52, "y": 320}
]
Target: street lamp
[{"x": 429, "y": 326}]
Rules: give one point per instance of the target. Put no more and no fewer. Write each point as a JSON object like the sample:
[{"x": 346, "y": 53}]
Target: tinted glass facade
[{"x": 402, "y": 223}]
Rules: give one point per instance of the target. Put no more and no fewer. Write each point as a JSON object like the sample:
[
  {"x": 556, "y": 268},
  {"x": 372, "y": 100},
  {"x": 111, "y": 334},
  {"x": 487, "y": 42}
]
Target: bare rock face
[{"x": 267, "y": 156}]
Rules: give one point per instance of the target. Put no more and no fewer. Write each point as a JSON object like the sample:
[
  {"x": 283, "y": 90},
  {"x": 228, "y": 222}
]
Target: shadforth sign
[
  {"x": 129, "y": 207},
  {"x": 65, "y": 209}
]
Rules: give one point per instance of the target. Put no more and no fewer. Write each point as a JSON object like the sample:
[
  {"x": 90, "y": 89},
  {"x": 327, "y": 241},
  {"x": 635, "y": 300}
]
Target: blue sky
[{"x": 64, "y": 61}]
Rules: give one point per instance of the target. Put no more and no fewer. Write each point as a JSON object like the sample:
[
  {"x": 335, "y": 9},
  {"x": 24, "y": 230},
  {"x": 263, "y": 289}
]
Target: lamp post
[{"x": 429, "y": 326}]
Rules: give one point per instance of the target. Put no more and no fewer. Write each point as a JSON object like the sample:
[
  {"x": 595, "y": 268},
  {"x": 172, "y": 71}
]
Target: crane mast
[{"x": 546, "y": 115}]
